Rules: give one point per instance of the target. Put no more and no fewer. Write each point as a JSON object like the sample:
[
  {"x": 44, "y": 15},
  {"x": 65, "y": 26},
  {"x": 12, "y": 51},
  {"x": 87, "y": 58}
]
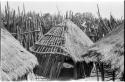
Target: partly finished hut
[
  {"x": 60, "y": 48},
  {"x": 15, "y": 62},
  {"x": 109, "y": 50}
]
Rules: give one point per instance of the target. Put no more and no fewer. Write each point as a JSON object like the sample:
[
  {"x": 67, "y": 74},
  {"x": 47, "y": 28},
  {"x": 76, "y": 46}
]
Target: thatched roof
[
  {"x": 111, "y": 49},
  {"x": 66, "y": 39},
  {"x": 51, "y": 42},
  {"x": 15, "y": 60},
  {"x": 63, "y": 42},
  {"x": 76, "y": 40}
]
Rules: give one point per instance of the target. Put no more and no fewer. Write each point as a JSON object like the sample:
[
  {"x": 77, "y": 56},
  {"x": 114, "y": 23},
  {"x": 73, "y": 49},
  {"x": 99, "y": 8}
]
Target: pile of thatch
[
  {"x": 62, "y": 42},
  {"x": 16, "y": 62},
  {"x": 110, "y": 49}
]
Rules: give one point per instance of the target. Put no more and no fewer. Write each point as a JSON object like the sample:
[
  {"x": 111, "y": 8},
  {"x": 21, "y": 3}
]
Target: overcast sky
[{"x": 115, "y": 7}]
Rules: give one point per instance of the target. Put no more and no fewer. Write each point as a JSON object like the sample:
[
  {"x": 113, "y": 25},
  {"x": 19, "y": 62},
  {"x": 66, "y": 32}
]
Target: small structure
[
  {"x": 109, "y": 50},
  {"x": 16, "y": 62},
  {"x": 61, "y": 45}
]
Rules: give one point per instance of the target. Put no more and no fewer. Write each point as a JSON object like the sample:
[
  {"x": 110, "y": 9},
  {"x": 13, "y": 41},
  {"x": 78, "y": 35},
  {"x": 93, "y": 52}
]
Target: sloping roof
[
  {"x": 111, "y": 48},
  {"x": 66, "y": 39},
  {"x": 15, "y": 60},
  {"x": 51, "y": 42},
  {"x": 76, "y": 41}
]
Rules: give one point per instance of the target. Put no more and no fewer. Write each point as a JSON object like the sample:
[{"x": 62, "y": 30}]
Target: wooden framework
[{"x": 51, "y": 55}]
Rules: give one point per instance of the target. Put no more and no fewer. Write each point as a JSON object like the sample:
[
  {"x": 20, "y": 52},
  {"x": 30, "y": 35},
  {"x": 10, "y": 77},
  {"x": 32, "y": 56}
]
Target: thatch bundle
[
  {"x": 62, "y": 42},
  {"x": 15, "y": 60},
  {"x": 110, "y": 49}
]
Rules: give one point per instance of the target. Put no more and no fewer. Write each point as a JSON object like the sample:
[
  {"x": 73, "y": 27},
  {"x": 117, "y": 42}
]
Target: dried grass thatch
[
  {"x": 76, "y": 40},
  {"x": 63, "y": 41},
  {"x": 15, "y": 60},
  {"x": 111, "y": 49}
]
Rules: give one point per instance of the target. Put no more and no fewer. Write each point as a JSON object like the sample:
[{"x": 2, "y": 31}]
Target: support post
[
  {"x": 113, "y": 76},
  {"x": 75, "y": 71},
  {"x": 97, "y": 72},
  {"x": 102, "y": 72}
]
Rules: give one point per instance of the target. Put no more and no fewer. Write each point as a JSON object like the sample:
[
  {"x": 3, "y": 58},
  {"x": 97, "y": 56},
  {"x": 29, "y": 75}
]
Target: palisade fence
[
  {"x": 28, "y": 27},
  {"x": 25, "y": 28}
]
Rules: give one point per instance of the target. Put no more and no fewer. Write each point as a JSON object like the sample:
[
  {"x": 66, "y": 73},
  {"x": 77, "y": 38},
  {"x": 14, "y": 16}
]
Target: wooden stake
[
  {"x": 75, "y": 71},
  {"x": 113, "y": 75},
  {"x": 97, "y": 72},
  {"x": 60, "y": 67},
  {"x": 102, "y": 72}
]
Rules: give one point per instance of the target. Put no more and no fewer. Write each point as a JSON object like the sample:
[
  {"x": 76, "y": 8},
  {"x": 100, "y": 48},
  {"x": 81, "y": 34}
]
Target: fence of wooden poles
[{"x": 27, "y": 27}]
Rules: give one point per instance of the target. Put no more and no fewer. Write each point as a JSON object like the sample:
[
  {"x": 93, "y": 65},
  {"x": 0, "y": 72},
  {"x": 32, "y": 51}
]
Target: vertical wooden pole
[
  {"x": 60, "y": 66},
  {"x": 18, "y": 33},
  {"x": 8, "y": 16},
  {"x": 97, "y": 72},
  {"x": 75, "y": 71},
  {"x": 102, "y": 72},
  {"x": 83, "y": 70},
  {"x": 113, "y": 75}
]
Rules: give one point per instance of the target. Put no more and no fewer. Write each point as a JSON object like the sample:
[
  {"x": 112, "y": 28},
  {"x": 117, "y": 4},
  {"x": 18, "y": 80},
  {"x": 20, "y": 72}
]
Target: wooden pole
[
  {"x": 60, "y": 66},
  {"x": 97, "y": 73},
  {"x": 113, "y": 76},
  {"x": 8, "y": 16},
  {"x": 102, "y": 72},
  {"x": 24, "y": 10},
  {"x": 75, "y": 71},
  {"x": 106, "y": 28},
  {"x": 83, "y": 70}
]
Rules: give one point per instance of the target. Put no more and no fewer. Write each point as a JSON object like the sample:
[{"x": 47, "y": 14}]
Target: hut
[
  {"x": 60, "y": 48},
  {"x": 109, "y": 50},
  {"x": 16, "y": 62}
]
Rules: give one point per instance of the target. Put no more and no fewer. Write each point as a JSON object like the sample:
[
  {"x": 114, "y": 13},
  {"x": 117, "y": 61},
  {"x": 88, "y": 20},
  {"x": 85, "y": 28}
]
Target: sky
[{"x": 116, "y": 8}]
